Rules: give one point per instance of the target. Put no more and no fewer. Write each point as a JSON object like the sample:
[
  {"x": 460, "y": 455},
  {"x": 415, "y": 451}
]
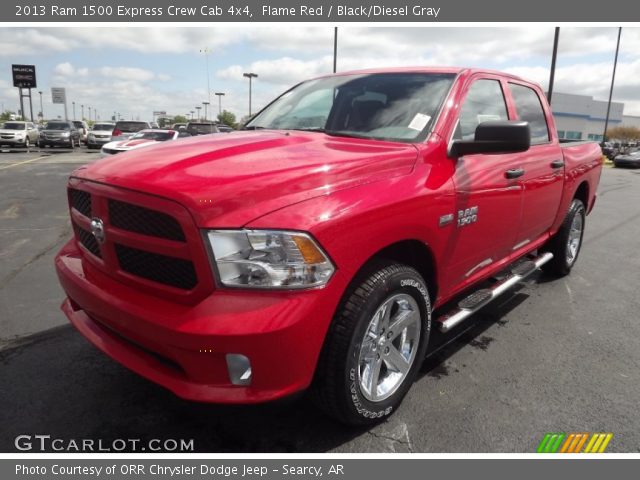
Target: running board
[{"x": 478, "y": 299}]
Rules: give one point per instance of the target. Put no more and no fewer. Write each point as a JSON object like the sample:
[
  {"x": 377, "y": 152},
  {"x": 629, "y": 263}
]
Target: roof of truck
[{"x": 428, "y": 69}]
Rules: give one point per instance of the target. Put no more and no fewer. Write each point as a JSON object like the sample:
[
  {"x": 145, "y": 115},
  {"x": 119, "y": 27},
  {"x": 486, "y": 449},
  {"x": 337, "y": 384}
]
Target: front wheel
[
  {"x": 375, "y": 345},
  {"x": 566, "y": 243}
]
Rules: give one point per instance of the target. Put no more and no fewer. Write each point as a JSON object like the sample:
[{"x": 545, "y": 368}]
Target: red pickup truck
[{"x": 320, "y": 246}]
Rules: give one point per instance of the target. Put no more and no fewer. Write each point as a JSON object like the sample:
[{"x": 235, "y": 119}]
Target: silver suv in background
[
  {"x": 19, "y": 134},
  {"x": 126, "y": 128},
  {"x": 99, "y": 134}
]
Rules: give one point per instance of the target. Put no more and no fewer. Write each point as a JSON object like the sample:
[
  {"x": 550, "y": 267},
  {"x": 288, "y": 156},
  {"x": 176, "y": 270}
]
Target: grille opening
[
  {"x": 171, "y": 271},
  {"x": 145, "y": 221},
  {"x": 81, "y": 201},
  {"x": 87, "y": 240}
]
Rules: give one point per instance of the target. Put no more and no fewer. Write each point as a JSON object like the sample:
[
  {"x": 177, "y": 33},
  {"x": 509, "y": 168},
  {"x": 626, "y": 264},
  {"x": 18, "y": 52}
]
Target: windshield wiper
[{"x": 312, "y": 129}]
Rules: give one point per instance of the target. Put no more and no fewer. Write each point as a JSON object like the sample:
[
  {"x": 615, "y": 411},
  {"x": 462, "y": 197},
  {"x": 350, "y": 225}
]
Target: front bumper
[
  {"x": 13, "y": 141},
  {"x": 184, "y": 347},
  {"x": 66, "y": 141}
]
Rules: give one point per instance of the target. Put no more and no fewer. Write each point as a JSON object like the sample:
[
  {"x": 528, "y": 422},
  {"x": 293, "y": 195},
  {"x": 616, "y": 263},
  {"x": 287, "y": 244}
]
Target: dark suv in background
[
  {"x": 201, "y": 128},
  {"x": 126, "y": 128},
  {"x": 59, "y": 133}
]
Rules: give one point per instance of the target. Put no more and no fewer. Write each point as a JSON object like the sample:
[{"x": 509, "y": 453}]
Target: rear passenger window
[
  {"x": 530, "y": 110},
  {"x": 484, "y": 102}
]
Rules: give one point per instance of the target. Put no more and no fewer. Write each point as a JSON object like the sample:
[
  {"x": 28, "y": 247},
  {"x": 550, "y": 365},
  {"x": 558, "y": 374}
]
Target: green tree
[
  {"x": 6, "y": 115},
  {"x": 227, "y": 118},
  {"x": 180, "y": 119}
]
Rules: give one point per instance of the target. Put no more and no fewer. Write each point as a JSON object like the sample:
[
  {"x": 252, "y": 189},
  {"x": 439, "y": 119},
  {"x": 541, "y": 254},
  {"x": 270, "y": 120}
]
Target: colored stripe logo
[{"x": 574, "y": 443}]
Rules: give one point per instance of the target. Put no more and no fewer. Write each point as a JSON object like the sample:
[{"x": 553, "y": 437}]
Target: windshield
[
  {"x": 102, "y": 126},
  {"x": 202, "y": 128},
  {"x": 14, "y": 126},
  {"x": 129, "y": 127},
  {"x": 157, "y": 136},
  {"x": 385, "y": 106},
  {"x": 57, "y": 126}
]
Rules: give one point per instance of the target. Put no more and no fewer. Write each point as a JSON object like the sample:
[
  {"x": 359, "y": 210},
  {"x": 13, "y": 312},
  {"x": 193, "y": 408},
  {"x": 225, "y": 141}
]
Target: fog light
[{"x": 239, "y": 368}]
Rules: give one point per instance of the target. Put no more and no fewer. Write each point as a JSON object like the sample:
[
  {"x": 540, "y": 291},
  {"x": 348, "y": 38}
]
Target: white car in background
[
  {"x": 19, "y": 134},
  {"x": 99, "y": 134},
  {"x": 142, "y": 139}
]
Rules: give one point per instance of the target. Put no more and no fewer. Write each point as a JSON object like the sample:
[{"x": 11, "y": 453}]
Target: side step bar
[{"x": 478, "y": 299}]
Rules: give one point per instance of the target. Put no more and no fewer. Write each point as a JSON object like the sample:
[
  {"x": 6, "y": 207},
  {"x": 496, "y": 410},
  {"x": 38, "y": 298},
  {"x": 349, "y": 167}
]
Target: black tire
[
  {"x": 337, "y": 387},
  {"x": 562, "y": 261},
  {"x": 27, "y": 143}
]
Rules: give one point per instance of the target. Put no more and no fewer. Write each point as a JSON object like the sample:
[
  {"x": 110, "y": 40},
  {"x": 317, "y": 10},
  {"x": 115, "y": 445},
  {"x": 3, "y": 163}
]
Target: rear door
[
  {"x": 488, "y": 202},
  {"x": 542, "y": 180}
]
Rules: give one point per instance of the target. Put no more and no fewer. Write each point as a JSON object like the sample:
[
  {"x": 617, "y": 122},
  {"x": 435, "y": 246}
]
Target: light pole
[
  {"x": 206, "y": 106},
  {"x": 82, "y": 110},
  {"x": 613, "y": 80},
  {"x": 220, "y": 95},
  {"x": 89, "y": 113},
  {"x": 250, "y": 76},
  {"x": 198, "y": 108},
  {"x": 192, "y": 112},
  {"x": 41, "y": 109},
  {"x": 206, "y": 53},
  {"x": 73, "y": 104}
]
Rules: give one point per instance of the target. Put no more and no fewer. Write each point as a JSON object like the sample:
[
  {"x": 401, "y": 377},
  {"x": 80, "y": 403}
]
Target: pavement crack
[
  {"x": 14, "y": 273},
  {"x": 381, "y": 436}
]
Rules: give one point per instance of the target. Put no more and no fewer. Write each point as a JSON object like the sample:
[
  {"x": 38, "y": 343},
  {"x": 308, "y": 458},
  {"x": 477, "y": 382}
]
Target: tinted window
[
  {"x": 484, "y": 102},
  {"x": 57, "y": 126},
  {"x": 102, "y": 126},
  {"x": 530, "y": 110},
  {"x": 131, "y": 127},
  {"x": 14, "y": 126}
]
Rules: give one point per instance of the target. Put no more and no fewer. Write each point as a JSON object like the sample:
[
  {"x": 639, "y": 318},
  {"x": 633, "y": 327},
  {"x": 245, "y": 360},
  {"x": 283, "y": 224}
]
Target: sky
[{"x": 137, "y": 70}]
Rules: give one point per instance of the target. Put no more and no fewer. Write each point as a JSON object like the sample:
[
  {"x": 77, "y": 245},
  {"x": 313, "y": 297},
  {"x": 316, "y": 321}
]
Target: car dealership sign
[{"x": 24, "y": 76}]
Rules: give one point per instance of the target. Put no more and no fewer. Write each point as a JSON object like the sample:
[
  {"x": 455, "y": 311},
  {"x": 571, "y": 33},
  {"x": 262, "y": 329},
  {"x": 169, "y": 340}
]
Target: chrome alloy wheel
[
  {"x": 389, "y": 347},
  {"x": 575, "y": 237}
]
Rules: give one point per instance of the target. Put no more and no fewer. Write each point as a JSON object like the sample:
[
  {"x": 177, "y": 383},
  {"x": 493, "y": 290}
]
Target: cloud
[
  {"x": 127, "y": 73},
  {"x": 68, "y": 70}
]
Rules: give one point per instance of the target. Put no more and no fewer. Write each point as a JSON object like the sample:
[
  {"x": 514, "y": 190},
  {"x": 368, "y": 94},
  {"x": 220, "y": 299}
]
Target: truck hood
[{"x": 229, "y": 180}]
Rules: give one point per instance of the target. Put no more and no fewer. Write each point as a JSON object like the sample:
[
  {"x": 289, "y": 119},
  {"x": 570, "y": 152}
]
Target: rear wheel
[
  {"x": 375, "y": 345},
  {"x": 566, "y": 243}
]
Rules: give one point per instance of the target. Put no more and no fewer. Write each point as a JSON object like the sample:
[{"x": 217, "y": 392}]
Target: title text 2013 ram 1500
[{"x": 319, "y": 247}]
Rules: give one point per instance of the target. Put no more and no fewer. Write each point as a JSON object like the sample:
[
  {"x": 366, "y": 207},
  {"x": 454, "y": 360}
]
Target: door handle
[
  {"x": 557, "y": 164},
  {"x": 514, "y": 172}
]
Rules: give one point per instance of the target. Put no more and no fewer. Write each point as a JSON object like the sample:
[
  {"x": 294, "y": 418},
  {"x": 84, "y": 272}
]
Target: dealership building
[{"x": 581, "y": 117}]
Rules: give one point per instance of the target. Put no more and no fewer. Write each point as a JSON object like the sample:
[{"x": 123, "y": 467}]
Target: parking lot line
[{"x": 22, "y": 163}]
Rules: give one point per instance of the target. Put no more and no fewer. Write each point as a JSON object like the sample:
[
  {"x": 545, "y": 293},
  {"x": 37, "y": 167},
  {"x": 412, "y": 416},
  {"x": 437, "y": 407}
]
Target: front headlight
[
  {"x": 65, "y": 134},
  {"x": 269, "y": 259}
]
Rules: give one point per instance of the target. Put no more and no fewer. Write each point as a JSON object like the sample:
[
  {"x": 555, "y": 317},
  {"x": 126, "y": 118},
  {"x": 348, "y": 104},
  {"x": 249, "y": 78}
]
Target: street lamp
[
  {"x": 250, "y": 75},
  {"x": 206, "y": 53},
  {"x": 41, "y": 109},
  {"x": 206, "y": 105},
  {"x": 89, "y": 113},
  {"x": 192, "y": 112},
  {"x": 82, "y": 107},
  {"x": 198, "y": 109},
  {"x": 74, "y": 109},
  {"x": 220, "y": 95}
]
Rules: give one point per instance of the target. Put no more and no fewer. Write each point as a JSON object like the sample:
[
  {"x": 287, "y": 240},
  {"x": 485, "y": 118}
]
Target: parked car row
[{"x": 72, "y": 134}]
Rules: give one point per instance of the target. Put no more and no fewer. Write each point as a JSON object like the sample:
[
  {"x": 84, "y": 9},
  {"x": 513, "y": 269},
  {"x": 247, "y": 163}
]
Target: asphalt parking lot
[{"x": 553, "y": 356}]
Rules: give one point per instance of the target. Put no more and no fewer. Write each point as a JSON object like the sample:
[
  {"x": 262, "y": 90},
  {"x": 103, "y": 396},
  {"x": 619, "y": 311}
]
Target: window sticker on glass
[{"x": 419, "y": 121}]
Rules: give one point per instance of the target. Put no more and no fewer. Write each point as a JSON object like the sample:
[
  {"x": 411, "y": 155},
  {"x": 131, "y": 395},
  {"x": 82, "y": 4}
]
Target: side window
[
  {"x": 484, "y": 102},
  {"x": 530, "y": 110}
]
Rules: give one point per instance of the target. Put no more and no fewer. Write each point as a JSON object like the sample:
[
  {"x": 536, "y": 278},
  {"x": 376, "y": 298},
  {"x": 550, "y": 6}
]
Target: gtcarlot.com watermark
[{"x": 47, "y": 443}]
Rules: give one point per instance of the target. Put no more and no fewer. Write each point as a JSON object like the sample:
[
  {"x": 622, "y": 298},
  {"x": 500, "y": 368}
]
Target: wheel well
[
  {"x": 582, "y": 194},
  {"x": 416, "y": 254}
]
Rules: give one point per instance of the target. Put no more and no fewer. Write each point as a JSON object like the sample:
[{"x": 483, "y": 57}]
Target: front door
[{"x": 488, "y": 201}]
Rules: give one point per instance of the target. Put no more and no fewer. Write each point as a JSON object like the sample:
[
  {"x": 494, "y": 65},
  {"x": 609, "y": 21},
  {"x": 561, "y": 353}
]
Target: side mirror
[{"x": 503, "y": 136}]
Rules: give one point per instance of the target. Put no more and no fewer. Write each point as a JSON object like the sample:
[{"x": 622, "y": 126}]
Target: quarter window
[
  {"x": 484, "y": 102},
  {"x": 530, "y": 110}
]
